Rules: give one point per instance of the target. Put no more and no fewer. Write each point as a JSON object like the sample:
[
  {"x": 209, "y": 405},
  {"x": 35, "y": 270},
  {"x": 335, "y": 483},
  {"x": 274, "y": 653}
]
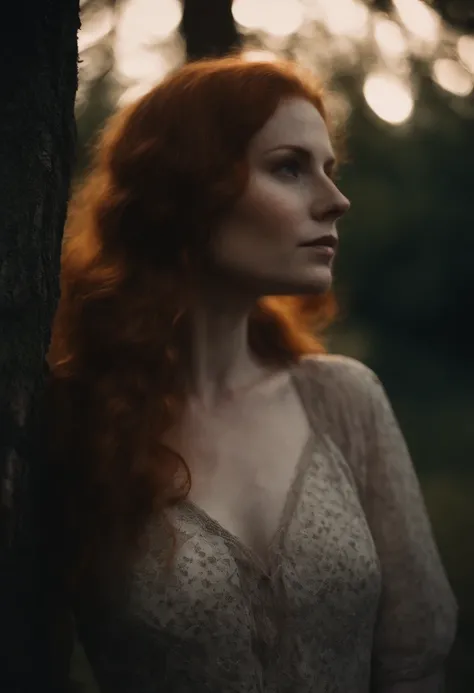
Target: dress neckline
[{"x": 267, "y": 566}]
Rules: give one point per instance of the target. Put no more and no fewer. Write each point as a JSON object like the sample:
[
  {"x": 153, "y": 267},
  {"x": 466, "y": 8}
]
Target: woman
[{"x": 196, "y": 272}]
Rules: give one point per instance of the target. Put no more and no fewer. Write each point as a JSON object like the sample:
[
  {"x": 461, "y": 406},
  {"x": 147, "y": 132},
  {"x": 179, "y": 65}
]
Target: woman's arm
[{"x": 417, "y": 613}]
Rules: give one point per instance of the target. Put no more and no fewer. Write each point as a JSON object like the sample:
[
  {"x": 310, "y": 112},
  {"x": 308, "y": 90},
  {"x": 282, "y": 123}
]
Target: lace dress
[{"x": 353, "y": 598}]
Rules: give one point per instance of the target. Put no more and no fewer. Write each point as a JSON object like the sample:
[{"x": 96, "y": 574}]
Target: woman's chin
[
  {"x": 316, "y": 281},
  {"x": 319, "y": 281},
  {"x": 314, "y": 285}
]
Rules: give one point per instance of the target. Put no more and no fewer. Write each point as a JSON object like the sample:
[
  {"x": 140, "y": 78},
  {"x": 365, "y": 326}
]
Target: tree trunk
[
  {"x": 209, "y": 29},
  {"x": 38, "y": 70}
]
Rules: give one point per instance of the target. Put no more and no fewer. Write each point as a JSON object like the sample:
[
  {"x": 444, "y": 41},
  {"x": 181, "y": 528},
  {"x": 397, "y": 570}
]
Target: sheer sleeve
[{"x": 417, "y": 613}]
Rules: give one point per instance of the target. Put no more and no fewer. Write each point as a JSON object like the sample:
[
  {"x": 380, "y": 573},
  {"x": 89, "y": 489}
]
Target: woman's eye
[{"x": 289, "y": 168}]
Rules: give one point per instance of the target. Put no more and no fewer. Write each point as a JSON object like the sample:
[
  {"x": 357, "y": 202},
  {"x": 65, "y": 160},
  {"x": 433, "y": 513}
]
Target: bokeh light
[
  {"x": 97, "y": 28},
  {"x": 284, "y": 18},
  {"x": 257, "y": 56},
  {"x": 332, "y": 37},
  {"x": 249, "y": 14},
  {"x": 133, "y": 93},
  {"x": 142, "y": 24},
  {"x": 465, "y": 48},
  {"x": 153, "y": 19},
  {"x": 274, "y": 17},
  {"x": 346, "y": 17},
  {"x": 388, "y": 97},
  {"x": 389, "y": 37},
  {"x": 452, "y": 77},
  {"x": 422, "y": 21}
]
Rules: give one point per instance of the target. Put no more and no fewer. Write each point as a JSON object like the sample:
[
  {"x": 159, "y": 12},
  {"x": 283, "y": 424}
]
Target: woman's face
[{"x": 290, "y": 199}]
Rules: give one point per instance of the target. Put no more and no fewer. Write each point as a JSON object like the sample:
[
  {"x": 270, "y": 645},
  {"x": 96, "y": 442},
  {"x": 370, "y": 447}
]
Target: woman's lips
[
  {"x": 321, "y": 249},
  {"x": 324, "y": 245}
]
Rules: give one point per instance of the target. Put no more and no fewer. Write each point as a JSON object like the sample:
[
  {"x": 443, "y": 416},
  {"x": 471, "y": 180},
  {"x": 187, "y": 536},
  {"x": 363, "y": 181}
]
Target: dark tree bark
[
  {"x": 209, "y": 28},
  {"x": 38, "y": 71}
]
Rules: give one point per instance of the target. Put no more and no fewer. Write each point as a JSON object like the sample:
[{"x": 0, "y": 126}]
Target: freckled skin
[{"x": 289, "y": 200}]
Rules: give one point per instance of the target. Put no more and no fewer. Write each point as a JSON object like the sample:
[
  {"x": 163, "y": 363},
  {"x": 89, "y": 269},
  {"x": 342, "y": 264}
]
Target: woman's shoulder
[
  {"x": 341, "y": 377},
  {"x": 349, "y": 396},
  {"x": 341, "y": 394}
]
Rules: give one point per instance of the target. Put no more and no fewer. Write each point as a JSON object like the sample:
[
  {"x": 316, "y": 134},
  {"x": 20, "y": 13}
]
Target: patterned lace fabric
[{"x": 352, "y": 599}]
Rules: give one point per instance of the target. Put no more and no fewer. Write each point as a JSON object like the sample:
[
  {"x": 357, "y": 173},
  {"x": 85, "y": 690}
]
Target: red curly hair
[{"x": 165, "y": 172}]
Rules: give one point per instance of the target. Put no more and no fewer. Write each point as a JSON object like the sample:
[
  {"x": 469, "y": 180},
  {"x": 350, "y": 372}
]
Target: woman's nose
[
  {"x": 333, "y": 208},
  {"x": 343, "y": 204}
]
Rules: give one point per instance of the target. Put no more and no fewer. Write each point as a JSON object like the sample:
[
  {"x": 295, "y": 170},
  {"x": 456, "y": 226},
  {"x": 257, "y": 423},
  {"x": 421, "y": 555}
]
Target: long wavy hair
[{"x": 165, "y": 171}]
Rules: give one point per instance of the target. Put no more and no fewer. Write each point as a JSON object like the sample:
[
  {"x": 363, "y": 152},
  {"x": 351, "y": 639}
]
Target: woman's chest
[
  {"x": 313, "y": 615},
  {"x": 243, "y": 462},
  {"x": 322, "y": 577}
]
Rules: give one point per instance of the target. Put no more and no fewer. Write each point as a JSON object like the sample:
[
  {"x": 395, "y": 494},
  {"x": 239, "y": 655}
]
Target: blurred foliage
[
  {"x": 406, "y": 286},
  {"x": 404, "y": 273},
  {"x": 459, "y": 13}
]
